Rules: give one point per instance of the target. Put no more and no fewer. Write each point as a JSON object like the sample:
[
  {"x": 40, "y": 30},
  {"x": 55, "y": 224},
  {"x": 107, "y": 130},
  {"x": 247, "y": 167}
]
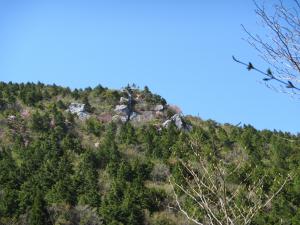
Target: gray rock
[
  {"x": 122, "y": 109},
  {"x": 83, "y": 115},
  {"x": 76, "y": 107},
  {"x": 123, "y": 100},
  {"x": 159, "y": 108},
  {"x": 167, "y": 123},
  {"x": 133, "y": 115},
  {"x": 123, "y": 118},
  {"x": 79, "y": 110},
  {"x": 179, "y": 123},
  {"x": 145, "y": 116}
]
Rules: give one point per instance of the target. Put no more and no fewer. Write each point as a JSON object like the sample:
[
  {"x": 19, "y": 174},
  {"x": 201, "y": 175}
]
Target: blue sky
[{"x": 181, "y": 49}]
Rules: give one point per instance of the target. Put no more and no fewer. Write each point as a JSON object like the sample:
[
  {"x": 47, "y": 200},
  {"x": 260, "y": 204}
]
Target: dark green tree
[
  {"x": 38, "y": 213},
  {"x": 87, "y": 105}
]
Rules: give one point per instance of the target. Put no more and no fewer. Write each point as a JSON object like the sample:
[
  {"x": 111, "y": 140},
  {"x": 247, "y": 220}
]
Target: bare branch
[
  {"x": 220, "y": 201},
  {"x": 280, "y": 45}
]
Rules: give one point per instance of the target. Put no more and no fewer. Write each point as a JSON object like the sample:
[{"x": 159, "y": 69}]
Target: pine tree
[
  {"x": 87, "y": 105},
  {"x": 38, "y": 214}
]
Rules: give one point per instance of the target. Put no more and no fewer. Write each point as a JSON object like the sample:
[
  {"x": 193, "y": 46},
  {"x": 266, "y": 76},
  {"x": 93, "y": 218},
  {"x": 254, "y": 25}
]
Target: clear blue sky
[{"x": 181, "y": 49}]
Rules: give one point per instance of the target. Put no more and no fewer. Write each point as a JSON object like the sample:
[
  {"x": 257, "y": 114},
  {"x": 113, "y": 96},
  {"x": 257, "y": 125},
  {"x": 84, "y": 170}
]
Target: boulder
[
  {"x": 76, "y": 107},
  {"x": 123, "y": 100},
  {"x": 122, "y": 109},
  {"x": 179, "y": 122},
  {"x": 123, "y": 118},
  {"x": 79, "y": 110},
  {"x": 83, "y": 115},
  {"x": 166, "y": 123},
  {"x": 159, "y": 108},
  {"x": 133, "y": 115}
]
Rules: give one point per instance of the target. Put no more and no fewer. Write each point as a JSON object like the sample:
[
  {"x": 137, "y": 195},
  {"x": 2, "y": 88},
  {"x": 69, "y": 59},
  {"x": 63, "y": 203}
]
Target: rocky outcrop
[
  {"x": 125, "y": 109},
  {"x": 79, "y": 110},
  {"x": 136, "y": 110},
  {"x": 179, "y": 122}
]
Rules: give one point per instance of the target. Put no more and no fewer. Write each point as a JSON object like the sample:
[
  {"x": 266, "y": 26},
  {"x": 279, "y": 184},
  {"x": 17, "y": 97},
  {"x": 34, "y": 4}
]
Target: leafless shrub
[{"x": 207, "y": 184}]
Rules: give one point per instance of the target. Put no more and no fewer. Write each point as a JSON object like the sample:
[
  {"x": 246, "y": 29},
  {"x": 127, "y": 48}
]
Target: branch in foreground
[
  {"x": 219, "y": 200},
  {"x": 268, "y": 75}
]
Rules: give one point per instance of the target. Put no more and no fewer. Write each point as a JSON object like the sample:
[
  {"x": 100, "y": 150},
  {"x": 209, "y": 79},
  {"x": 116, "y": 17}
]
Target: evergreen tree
[
  {"x": 38, "y": 213},
  {"x": 87, "y": 105}
]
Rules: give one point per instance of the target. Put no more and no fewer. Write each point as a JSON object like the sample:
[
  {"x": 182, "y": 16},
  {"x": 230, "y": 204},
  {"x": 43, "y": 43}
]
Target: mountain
[{"x": 101, "y": 156}]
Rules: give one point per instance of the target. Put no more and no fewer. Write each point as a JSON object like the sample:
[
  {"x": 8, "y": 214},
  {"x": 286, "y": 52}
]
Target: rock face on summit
[{"x": 136, "y": 109}]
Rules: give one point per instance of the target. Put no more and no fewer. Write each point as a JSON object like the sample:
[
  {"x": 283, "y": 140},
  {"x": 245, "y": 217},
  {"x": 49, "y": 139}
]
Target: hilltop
[{"x": 102, "y": 156}]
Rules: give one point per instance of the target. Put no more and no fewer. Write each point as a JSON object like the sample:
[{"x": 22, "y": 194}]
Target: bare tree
[
  {"x": 279, "y": 46},
  {"x": 221, "y": 202}
]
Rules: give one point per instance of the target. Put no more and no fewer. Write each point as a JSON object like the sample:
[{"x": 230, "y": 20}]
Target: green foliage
[
  {"x": 38, "y": 213},
  {"x": 127, "y": 134},
  {"x": 61, "y": 192},
  {"x": 87, "y": 105},
  {"x": 72, "y": 143},
  {"x": 86, "y": 181},
  {"x": 61, "y": 105},
  {"x": 50, "y": 167},
  {"x": 94, "y": 126},
  {"x": 31, "y": 94},
  {"x": 75, "y": 94},
  {"x": 153, "y": 98},
  {"x": 40, "y": 122},
  {"x": 8, "y": 202},
  {"x": 2, "y": 102}
]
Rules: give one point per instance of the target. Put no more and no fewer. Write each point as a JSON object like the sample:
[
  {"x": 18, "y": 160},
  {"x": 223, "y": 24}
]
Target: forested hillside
[{"x": 101, "y": 156}]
